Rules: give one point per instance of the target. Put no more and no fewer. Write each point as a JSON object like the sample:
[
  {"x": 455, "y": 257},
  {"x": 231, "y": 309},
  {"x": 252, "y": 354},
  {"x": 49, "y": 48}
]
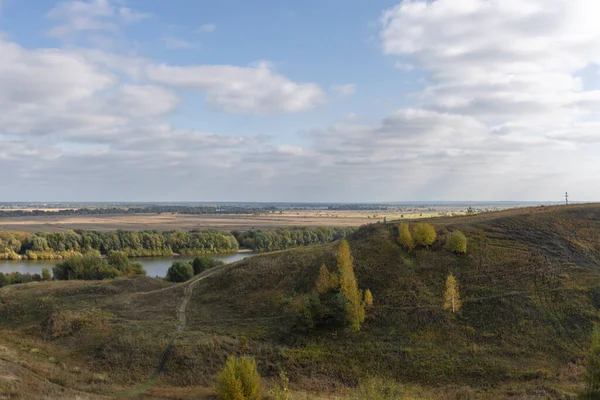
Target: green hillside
[{"x": 530, "y": 292}]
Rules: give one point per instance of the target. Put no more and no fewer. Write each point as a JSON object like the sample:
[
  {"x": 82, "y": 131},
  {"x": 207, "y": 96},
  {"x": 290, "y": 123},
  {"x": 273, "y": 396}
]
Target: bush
[
  {"x": 180, "y": 271},
  {"x": 405, "y": 239},
  {"x": 203, "y": 263},
  {"x": 456, "y": 242},
  {"x": 3, "y": 280},
  {"x": 46, "y": 275},
  {"x": 239, "y": 380},
  {"x": 424, "y": 234}
]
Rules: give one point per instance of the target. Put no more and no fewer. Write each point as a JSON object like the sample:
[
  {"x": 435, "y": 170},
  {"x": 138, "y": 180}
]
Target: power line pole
[{"x": 567, "y": 198}]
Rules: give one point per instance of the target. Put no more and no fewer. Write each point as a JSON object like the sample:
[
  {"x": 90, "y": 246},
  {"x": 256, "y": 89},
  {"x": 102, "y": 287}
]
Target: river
[{"x": 154, "y": 266}]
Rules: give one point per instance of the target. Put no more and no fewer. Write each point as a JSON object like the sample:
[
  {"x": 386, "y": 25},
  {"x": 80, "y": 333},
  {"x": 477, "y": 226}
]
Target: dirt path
[{"x": 182, "y": 323}]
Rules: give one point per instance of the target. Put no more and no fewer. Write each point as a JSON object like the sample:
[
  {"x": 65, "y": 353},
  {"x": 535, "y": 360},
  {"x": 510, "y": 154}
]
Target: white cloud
[
  {"x": 78, "y": 16},
  {"x": 47, "y": 92},
  {"x": 208, "y": 28},
  {"x": 511, "y": 66},
  {"x": 344, "y": 90},
  {"x": 498, "y": 59},
  {"x": 254, "y": 89}
]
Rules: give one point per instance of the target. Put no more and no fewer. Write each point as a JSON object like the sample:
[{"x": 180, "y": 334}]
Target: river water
[{"x": 154, "y": 266}]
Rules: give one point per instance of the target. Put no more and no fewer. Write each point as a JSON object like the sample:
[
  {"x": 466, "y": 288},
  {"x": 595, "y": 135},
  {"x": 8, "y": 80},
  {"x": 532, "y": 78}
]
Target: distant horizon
[{"x": 409, "y": 202}]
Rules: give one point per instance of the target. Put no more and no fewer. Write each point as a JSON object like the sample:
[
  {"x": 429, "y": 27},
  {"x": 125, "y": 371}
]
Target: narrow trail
[{"x": 182, "y": 324}]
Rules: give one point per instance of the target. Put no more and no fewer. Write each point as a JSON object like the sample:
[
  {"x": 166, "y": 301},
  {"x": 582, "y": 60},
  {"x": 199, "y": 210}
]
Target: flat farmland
[{"x": 167, "y": 221}]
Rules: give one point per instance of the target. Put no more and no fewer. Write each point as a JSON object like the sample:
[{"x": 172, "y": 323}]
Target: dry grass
[{"x": 231, "y": 222}]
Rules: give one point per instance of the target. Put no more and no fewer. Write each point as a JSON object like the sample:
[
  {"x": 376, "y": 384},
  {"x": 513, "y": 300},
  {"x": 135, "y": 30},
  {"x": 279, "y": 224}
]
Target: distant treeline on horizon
[{"x": 59, "y": 245}]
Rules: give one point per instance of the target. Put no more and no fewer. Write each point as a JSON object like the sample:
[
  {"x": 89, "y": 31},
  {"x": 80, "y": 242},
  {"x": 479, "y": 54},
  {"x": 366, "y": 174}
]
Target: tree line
[
  {"x": 285, "y": 238},
  {"x": 151, "y": 209},
  {"x": 59, "y": 245},
  {"x": 63, "y": 245}
]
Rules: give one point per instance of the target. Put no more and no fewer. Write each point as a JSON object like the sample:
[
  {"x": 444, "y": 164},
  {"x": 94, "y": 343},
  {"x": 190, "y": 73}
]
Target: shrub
[
  {"x": 203, "y": 263},
  {"x": 239, "y": 380},
  {"x": 424, "y": 234},
  {"x": 94, "y": 267},
  {"x": 3, "y": 280},
  {"x": 405, "y": 239},
  {"x": 180, "y": 271},
  {"x": 46, "y": 275},
  {"x": 456, "y": 242}
]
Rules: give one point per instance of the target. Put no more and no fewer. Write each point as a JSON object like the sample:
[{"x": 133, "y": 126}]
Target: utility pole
[{"x": 567, "y": 198}]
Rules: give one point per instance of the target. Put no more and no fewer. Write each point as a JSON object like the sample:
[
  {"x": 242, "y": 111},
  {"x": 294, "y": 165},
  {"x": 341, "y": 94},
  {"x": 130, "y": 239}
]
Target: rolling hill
[{"x": 529, "y": 283}]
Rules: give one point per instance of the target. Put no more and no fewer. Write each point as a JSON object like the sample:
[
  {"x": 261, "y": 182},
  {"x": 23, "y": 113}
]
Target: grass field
[{"x": 203, "y": 222}]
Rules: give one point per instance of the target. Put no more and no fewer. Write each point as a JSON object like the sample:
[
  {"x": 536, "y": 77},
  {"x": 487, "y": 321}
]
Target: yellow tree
[
  {"x": 452, "y": 297},
  {"x": 456, "y": 242},
  {"x": 368, "y": 298},
  {"x": 404, "y": 236},
  {"x": 349, "y": 286},
  {"x": 424, "y": 234},
  {"x": 327, "y": 280}
]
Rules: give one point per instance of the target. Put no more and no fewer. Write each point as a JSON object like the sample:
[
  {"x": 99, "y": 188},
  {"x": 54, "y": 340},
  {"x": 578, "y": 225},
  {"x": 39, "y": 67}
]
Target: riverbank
[{"x": 154, "y": 266}]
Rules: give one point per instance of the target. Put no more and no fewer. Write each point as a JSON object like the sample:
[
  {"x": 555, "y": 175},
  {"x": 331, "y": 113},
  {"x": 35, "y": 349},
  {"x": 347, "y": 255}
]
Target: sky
[{"x": 317, "y": 100}]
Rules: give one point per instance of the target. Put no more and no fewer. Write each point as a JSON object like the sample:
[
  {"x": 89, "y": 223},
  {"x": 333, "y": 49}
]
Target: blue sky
[{"x": 299, "y": 101}]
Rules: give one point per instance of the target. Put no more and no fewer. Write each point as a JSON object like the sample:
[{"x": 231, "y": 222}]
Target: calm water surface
[{"x": 155, "y": 266}]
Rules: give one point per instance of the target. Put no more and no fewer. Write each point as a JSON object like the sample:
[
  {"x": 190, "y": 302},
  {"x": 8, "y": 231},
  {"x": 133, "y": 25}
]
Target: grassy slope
[{"x": 529, "y": 285}]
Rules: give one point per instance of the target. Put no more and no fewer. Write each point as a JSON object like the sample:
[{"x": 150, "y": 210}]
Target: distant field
[{"x": 168, "y": 221}]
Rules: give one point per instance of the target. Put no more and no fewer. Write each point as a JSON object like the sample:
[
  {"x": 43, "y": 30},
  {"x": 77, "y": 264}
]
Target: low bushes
[{"x": 94, "y": 267}]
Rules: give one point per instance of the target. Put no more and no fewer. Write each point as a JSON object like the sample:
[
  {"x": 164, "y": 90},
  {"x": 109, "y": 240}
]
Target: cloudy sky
[{"x": 314, "y": 100}]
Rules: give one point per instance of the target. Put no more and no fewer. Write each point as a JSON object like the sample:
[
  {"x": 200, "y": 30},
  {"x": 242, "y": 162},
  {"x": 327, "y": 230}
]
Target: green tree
[
  {"x": 424, "y": 234},
  {"x": 456, "y": 242},
  {"x": 203, "y": 263},
  {"x": 119, "y": 260},
  {"x": 46, "y": 275},
  {"x": 180, "y": 271},
  {"x": 349, "y": 286},
  {"x": 239, "y": 380},
  {"x": 404, "y": 236},
  {"x": 3, "y": 280},
  {"x": 592, "y": 367},
  {"x": 451, "y": 296}
]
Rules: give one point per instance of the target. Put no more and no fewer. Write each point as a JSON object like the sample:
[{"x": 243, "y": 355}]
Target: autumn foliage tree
[
  {"x": 424, "y": 234},
  {"x": 239, "y": 380},
  {"x": 368, "y": 298},
  {"x": 327, "y": 280},
  {"x": 456, "y": 242},
  {"x": 405, "y": 237},
  {"x": 349, "y": 286},
  {"x": 451, "y": 296}
]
